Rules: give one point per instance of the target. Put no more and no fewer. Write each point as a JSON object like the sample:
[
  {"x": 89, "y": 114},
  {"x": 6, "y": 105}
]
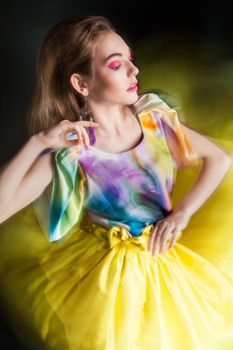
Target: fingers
[
  {"x": 80, "y": 125},
  {"x": 175, "y": 235},
  {"x": 164, "y": 239},
  {"x": 159, "y": 240},
  {"x": 88, "y": 123},
  {"x": 156, "y": 243},
  {"x": 79, "y": 128},
  {"x": 85, "y": 136},
  {"x": 152, "y": 240}
]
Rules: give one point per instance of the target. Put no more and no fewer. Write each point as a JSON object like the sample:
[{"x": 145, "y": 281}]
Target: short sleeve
[
  {"x": 179, "y": 144},
  {"x": 60, "y": 206}
]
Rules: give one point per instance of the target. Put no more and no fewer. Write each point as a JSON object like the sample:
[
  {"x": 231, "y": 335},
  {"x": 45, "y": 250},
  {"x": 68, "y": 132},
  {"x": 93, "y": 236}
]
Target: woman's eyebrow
[{"x": 115, "y": 54}]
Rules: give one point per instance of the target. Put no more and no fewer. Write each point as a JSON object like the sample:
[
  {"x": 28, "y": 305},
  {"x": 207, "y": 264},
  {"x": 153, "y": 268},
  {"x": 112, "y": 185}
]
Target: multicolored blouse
[{"x": 131, "y": 188}]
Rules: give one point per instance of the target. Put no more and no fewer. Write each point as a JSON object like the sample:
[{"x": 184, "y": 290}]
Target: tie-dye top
[{"x": 131, "y": 188}]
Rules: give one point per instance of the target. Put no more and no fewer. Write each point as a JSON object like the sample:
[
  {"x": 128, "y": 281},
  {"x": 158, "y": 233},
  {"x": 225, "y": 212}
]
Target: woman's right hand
[{"x": 55, "y": 136}]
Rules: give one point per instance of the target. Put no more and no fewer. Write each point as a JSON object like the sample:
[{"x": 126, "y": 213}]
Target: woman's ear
[{"x": 79, "y": 84}]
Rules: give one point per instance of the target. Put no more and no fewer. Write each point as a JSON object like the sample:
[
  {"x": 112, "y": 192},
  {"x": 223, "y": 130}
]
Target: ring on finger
[{"x": 72, "y": 136}]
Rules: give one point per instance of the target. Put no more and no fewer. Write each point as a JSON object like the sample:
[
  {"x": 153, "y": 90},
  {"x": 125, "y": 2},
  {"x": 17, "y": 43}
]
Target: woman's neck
[{"x": 112, "y": 120}]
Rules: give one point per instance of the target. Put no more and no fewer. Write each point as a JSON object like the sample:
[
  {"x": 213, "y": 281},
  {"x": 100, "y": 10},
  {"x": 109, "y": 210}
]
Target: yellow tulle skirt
[{"x": 101, "y": 289}]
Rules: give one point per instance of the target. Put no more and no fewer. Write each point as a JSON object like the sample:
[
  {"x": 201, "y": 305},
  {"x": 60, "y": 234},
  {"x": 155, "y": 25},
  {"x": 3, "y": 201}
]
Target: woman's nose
[{"x": 134, "y": 69}]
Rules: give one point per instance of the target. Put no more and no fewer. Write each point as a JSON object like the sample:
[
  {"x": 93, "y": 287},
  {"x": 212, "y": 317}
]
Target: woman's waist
[{"x": 134, "y": 226}]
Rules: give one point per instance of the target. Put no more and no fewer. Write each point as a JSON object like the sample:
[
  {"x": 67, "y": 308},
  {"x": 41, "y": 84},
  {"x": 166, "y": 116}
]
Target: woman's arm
[
  {"x": 24, "y": 178},
  {"x": 216, "y": 163},
  {"x": 204, "y": 147}
]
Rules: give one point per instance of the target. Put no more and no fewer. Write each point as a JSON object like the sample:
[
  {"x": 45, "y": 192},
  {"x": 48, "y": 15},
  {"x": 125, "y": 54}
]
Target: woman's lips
[{"x": 134, "y": 88}]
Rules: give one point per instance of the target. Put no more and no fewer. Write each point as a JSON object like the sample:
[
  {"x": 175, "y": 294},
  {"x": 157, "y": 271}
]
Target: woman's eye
[{"x": 115, "y": 67}]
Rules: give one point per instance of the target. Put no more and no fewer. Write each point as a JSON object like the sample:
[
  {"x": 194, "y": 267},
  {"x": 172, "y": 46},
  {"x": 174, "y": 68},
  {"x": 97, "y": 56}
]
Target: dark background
[{"x": 205, "y": 28}]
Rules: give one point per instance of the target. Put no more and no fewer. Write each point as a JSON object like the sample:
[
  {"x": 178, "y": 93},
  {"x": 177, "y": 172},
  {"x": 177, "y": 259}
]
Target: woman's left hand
[{"x": 171, "y": 225}]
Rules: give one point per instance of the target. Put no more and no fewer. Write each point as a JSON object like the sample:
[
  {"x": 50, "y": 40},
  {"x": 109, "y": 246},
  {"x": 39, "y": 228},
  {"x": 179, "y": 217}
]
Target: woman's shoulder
[{"x": 153, "y": 99}]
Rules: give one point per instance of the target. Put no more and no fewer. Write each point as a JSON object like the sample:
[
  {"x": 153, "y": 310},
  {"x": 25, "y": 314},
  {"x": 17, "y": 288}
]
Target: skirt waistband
[{"x": 119, "y": 235}]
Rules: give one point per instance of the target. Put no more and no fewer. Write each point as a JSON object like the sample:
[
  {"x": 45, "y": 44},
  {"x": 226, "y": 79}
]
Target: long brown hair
[{"x": 67, "y": 48}]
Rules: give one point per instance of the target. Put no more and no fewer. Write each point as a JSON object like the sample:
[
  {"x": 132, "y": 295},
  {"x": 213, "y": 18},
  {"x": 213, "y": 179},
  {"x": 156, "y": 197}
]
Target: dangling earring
[{"x": 86, "y": 114}]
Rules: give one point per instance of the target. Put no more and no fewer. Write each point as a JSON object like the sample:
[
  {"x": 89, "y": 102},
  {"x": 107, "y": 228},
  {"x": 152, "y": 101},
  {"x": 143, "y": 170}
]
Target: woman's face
[{"x": 113, "y": 75}]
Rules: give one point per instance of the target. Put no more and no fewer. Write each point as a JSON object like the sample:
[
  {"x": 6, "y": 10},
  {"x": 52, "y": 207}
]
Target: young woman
[{"x": 92, "y": 252}]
